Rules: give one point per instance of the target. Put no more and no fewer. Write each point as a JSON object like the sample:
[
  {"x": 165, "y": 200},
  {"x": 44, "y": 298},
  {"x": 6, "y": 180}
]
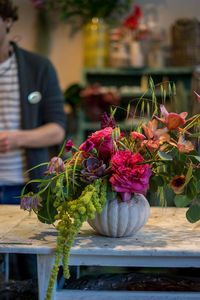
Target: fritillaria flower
[
  {"x": 30, "y": 202},
  {"x": 178, "y": 184},
  {"x": 172, "y": 120},
  {"x": 184, "y": 146},
  {"x": 57, "y": 165}
]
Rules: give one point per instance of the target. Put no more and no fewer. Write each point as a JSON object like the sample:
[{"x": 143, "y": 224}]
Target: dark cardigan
[{"x": 36, "y": 73}]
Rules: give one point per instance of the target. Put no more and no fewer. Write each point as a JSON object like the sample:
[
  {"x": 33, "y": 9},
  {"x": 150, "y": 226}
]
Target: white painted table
[{"x": 167, "y": 240}]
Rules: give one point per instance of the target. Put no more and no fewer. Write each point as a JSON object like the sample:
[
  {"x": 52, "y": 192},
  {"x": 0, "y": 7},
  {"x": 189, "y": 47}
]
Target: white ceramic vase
[{"x": 122, "y": 218}]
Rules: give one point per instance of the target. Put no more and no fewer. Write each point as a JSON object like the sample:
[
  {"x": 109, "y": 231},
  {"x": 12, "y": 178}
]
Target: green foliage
[
  {"x": 193, "y": 213},
  {"x": 181, "y": 200},
  {"x": 110, "y": 10},
  {"x": 71, "y": 215}
]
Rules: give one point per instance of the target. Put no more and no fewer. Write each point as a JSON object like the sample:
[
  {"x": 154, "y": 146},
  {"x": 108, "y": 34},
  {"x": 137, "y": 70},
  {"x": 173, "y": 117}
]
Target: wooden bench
[{"x": 167, "y": 240}]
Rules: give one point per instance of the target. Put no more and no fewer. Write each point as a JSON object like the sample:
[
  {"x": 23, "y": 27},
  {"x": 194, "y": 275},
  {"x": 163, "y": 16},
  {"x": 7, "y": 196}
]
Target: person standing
[{"x": 32, "y": 114}]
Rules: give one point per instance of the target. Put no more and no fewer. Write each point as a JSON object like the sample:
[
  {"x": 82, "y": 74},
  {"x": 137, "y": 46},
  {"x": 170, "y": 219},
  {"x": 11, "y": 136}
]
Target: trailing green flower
[{"x": 71, "y": 215}]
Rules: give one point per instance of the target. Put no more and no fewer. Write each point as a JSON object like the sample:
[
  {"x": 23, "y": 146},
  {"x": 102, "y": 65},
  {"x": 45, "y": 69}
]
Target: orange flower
[
  {"x": 172, "y": 120},
  {"x": 183, "y": 145},
  {"x": 152, "y": 132},
  {"x": 178, "y": 184}
]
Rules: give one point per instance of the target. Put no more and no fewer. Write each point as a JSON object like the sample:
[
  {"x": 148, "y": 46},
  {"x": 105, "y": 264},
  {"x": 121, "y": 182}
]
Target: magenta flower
[
  {"x": 103, "y": 142},
  {"x": 128, "y": 176},
  {"x": 68, "y": 146},
  {"x": 56, "y": 164},
  {"x": 29, "y": 202},
  {"x": 87, "y": 146}
]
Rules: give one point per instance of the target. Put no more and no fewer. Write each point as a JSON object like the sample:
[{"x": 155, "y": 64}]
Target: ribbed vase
[{"x": 122, "y": 218}]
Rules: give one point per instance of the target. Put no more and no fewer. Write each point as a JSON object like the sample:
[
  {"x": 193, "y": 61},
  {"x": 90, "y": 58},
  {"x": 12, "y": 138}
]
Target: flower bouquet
[{"x": 155, "y": 155}]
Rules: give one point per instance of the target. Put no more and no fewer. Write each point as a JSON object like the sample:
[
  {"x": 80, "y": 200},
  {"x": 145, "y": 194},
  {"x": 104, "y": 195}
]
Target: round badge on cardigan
[{"x": 34, "y": 97}]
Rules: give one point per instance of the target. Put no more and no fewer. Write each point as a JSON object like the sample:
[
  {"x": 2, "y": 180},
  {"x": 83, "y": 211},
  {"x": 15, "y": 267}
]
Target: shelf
[
  {"x": 138, "y": 71},
  {"x": 87, "y": 125}
]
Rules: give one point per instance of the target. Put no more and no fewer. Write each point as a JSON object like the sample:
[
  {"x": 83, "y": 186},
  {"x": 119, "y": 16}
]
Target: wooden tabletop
[{"x": 166, "y": 234}]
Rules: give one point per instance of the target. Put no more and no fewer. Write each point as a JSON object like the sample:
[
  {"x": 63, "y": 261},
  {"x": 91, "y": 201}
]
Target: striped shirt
[{"x": 12, "y": 163}]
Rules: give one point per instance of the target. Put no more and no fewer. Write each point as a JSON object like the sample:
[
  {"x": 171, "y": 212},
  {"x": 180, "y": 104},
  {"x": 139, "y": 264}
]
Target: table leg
[{"x": 44, "y": 266}]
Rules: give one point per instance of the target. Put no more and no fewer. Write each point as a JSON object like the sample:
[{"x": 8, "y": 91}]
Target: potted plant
[{"x": 114, "y": 168}]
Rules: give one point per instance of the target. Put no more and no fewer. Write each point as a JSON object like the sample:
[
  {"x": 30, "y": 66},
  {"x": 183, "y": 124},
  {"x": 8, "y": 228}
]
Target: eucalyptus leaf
[
  {"x": 164, "y": 155},
  {"x": 193, "y": 213},
  {"x": 181, "y": 200}
]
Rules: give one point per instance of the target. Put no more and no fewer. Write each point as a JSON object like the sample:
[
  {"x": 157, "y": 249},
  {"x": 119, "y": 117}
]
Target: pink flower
[
  {"x": 103, "y": 142},
  {"x": 128, "y": 176},
  {"x": 137, "y": 136},
  {"x": 68, "y": 146},
  {"x": 56, "y": 164},
  {"x": 172, "y": 120}
]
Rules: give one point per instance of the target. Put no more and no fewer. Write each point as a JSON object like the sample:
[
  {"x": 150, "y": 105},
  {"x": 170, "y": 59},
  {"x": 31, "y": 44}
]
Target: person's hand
[{"x": 8, "y": 141}]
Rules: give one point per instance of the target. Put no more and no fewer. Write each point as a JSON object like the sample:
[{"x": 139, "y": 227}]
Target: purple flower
[
  {"x": 68, "y": 146},
  {"x": 56, "y": 164},
  {"x": 87, "y": 146},
  {"x": 29, "y": 202},
  {"x": 107, "y": 121}
]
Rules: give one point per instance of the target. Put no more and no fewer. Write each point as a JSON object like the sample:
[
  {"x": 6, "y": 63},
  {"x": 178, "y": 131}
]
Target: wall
[{"x": 66, "y": 51}]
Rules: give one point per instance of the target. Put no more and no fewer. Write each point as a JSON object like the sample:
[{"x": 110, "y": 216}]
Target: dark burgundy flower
[
  {"x": 107, "y": 121},
  {"x": 68, "y": 146},
  {"x": 87, "y": 146}
]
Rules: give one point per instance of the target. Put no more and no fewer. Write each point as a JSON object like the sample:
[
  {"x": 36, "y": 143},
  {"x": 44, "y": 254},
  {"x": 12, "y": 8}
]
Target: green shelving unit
[{"x": 129, "y": 77}]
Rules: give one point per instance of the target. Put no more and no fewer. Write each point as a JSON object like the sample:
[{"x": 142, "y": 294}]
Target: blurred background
[{"x": 106, "y": 51}]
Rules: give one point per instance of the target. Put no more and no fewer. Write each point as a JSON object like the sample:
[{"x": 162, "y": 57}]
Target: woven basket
[{"x": 186, "y": 42}]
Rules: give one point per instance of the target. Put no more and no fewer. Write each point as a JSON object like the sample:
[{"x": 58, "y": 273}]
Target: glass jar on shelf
[{"x": 96, "y": 43}]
